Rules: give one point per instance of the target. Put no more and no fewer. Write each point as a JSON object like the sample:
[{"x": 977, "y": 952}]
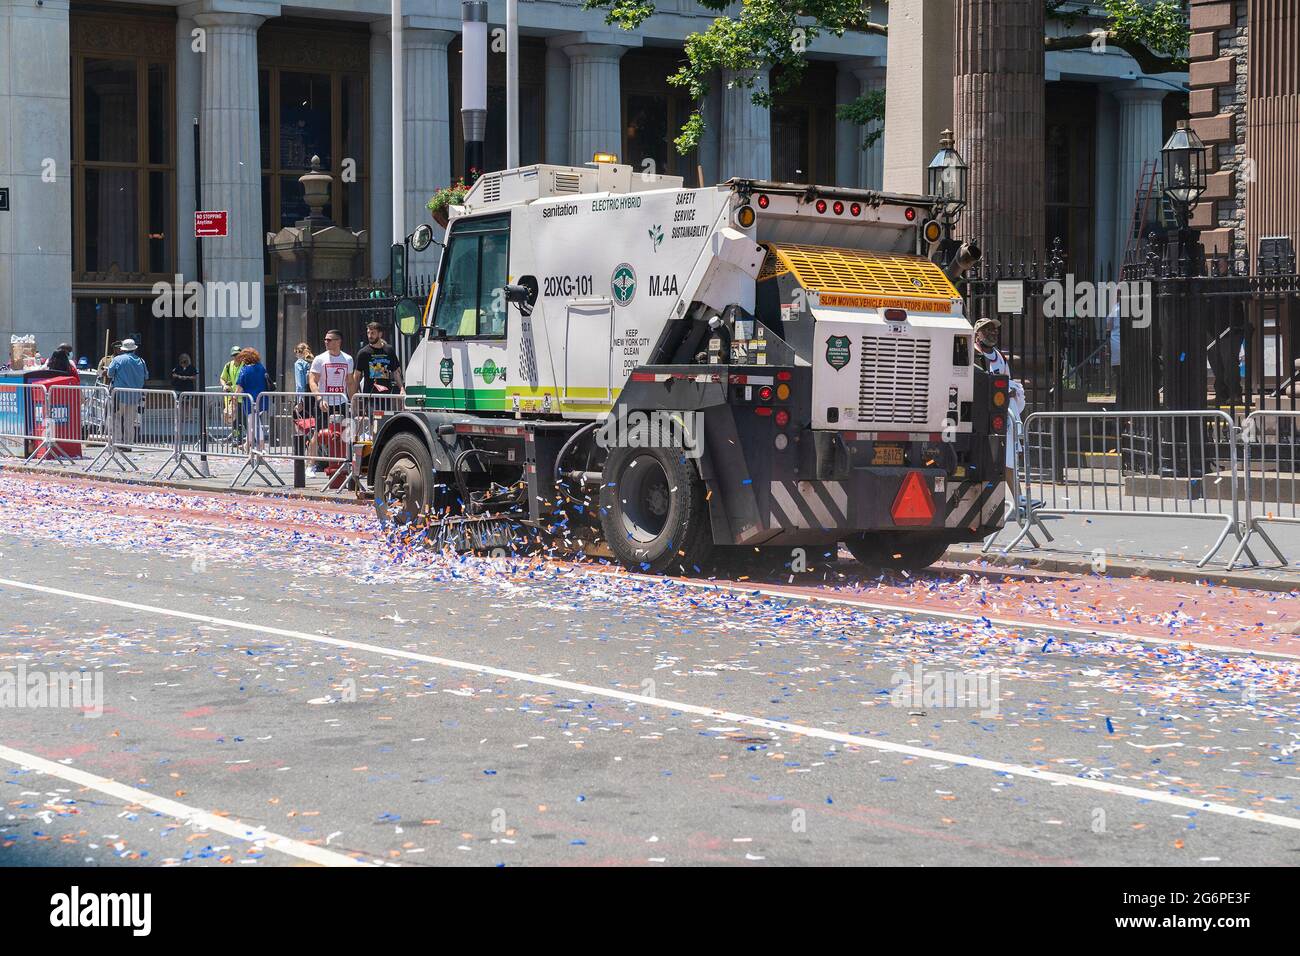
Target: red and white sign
[{"x": 210, "y": 224}]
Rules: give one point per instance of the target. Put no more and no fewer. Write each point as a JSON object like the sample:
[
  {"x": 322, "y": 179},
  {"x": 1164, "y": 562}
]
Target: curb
[
  {"x": 1122, "y": 568},
  {"x": 286, "y": 491},
  {"x": 958, "y": 558}
]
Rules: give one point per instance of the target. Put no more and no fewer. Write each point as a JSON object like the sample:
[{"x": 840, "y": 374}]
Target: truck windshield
[{"x": 474, "y": 269}]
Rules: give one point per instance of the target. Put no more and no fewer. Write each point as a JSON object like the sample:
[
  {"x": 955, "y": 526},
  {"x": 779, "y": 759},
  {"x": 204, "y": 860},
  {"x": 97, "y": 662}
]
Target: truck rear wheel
[
  {"x": 653, "y": 510},
  {"x": 897, "y": 552},
  {"x": 403, "y": 480}
]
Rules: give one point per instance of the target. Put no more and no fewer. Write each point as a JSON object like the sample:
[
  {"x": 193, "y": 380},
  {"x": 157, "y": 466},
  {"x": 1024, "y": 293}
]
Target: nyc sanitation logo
[
  {"x": 837, "y": 351},
  {"x": 445, "y": 371},
  {"x": 623, "y": 282}
]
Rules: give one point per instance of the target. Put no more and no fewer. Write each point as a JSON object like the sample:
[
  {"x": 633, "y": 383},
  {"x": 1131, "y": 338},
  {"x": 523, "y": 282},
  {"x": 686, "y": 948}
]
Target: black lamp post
[
  {"x": 947, "y": 177},
  {"x": 1183, "y": 159},
  {"x": 948, "y": 174}
]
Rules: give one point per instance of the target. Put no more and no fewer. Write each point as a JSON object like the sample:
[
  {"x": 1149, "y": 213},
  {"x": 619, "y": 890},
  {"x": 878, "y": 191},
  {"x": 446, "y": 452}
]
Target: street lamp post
[
  {"x": 1183, "y": 158},
  {"x": 1183, "y": 330},
  {"x": 946, "y": 178},
  {"x": 512, "y": 84},
  {"x": 473, "y": 84}
]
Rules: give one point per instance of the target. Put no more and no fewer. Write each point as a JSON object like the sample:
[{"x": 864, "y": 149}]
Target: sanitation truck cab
[{"x": 684, "y": 373}]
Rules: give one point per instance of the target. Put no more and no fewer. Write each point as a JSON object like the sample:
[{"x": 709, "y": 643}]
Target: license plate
[{"x": 887, "y": 455}]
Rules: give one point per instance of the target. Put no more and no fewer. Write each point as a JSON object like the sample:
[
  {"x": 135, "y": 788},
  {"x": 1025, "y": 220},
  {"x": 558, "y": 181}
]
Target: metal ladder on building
[{"x": 1150, "y": 192}]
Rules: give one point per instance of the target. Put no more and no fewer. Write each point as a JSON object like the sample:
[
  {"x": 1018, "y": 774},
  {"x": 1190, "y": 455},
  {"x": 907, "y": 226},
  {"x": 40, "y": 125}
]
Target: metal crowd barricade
[
  {"x": 22, "y": 417},
  {"x": 1269, "y": 476},
  {"x": 140, "y": 421},
  {"x": 302, "y": 427},
  {"x": 1017, "y": 503},
  {"x": 368, "y": 412},
  {"x": 1141, "y": 464},
  {"x": 56, "y": 410},
  {"x": 222, "y": 425}
]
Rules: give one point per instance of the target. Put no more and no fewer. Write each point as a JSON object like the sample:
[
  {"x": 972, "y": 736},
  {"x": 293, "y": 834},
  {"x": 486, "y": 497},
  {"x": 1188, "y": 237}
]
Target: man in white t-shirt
[
  {"x": 330, "y": 377},
  {"x": 330, "y": 380}
]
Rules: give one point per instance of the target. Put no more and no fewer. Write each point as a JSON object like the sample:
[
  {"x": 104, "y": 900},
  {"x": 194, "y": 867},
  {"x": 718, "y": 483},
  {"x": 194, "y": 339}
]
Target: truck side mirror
[
  {"x": 523, "y": 294},
  {"x": 397, "y": 269}
]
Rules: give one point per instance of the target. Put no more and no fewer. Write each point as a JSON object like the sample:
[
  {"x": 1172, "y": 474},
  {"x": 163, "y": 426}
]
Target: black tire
[
  {"x": 897, "y": 551},
  {"x": 653, "y": 511},
  {"x": 403, "y": 480}
]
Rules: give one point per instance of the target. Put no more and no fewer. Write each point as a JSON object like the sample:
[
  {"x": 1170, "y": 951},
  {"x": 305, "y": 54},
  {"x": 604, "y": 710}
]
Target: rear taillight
[
  {"x": 855, "y": 209},
  {"x": 763, "y": 201},
  {"x": 999, "y": 424},
  {"x": 838, "y": 207},
  {"x": 821, "y": 206},
  {"x": 765, "y": 393},
  {"x": 782, "y": 418}
]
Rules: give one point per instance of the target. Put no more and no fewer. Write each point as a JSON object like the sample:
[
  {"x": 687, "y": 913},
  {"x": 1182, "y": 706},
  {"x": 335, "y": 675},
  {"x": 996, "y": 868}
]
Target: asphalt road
[{"x": 281, "y": 689}]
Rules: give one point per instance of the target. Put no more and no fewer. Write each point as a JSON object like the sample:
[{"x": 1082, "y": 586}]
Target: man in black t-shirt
[{"x": 377, "y": 370}]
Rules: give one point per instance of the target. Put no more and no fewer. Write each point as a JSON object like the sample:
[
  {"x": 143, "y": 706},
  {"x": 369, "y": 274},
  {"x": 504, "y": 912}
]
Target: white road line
[
  {"x": 259, "y": 836},
  {"x": 925, "y": 611},
  {"x": 997, "y": 766}
]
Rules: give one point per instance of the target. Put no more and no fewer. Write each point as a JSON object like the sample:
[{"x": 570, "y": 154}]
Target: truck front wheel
[
  {"x": 894, "y": 551},
  {"x": 403, "y": 480},
  {"x": 653, "y": 510}
]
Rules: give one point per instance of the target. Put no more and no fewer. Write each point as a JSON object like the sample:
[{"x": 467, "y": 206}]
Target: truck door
[
  {"x": 465, "y": 365},
  {"x": 588, "y": 334}
]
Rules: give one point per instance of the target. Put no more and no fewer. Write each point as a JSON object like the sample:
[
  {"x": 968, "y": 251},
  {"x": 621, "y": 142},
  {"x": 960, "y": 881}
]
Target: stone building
[
  {"x": 100, "y": 101},
  {"x": 1245, "y": 105}
]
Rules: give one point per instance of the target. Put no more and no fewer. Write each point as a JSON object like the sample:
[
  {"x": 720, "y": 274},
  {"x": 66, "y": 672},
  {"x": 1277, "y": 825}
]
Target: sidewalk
[
  {"x": 1166, "y": 548},
  {"x": 221, "y": 472}
]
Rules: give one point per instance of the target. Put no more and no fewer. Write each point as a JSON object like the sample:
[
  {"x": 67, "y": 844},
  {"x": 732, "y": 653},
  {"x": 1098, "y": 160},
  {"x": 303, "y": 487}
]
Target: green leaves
[
  {"x": 865, "y": 110},
  {"x": 775, "y": 35},
  {"x": 1159, "y": 25}
]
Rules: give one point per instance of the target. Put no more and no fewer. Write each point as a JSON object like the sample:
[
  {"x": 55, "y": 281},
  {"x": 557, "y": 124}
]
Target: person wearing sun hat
[{"x": 127, "y": 374}]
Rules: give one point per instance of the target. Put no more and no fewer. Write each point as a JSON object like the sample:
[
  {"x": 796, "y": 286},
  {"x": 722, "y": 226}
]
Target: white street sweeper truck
[{"x": 747, "y": 368}]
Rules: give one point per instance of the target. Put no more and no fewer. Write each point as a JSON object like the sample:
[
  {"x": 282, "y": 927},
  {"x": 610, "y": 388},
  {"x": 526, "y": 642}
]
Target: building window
[
  {"x": 654, "y": 112},
  {"x": 803, "y": 128},
  {"x": 313, "y": 99},
  {"x": 1068, "y": 183},
  {"x": 123, "y": 169},
  {"x": 532, "y": 105},
  {"x": 123, "y": 149}
]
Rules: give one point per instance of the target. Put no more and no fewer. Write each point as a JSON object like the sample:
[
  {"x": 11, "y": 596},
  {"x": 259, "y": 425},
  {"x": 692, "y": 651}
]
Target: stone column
[
  {"x": 1141, "y": 125},
  {"x": 595, "y": 100},
  {"x": 848, "y": 136},
  {"x": 746, "y": 130},
  {"x": 35, "y": 153},
  {"x": 428, "y": 131},
  {"x": 710, "y": 151},
  {"x": 919, "y": 90},
  {"x": 232, "y": 180},
  {"x": 998, "y": 105},
  {"x": 189, "y": 90},
  {"x": 557, "y": 106},
  {"x": 381, "y": 146},
  {"x": 871, "y": 161}
]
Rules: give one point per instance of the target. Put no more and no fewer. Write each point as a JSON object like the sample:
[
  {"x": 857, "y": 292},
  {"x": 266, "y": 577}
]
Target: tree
[{"x": 775, "y": 34}]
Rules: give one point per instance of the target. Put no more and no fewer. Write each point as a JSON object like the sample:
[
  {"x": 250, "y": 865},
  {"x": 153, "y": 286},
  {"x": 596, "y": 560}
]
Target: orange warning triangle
[{"x": 914, "y": 503}]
